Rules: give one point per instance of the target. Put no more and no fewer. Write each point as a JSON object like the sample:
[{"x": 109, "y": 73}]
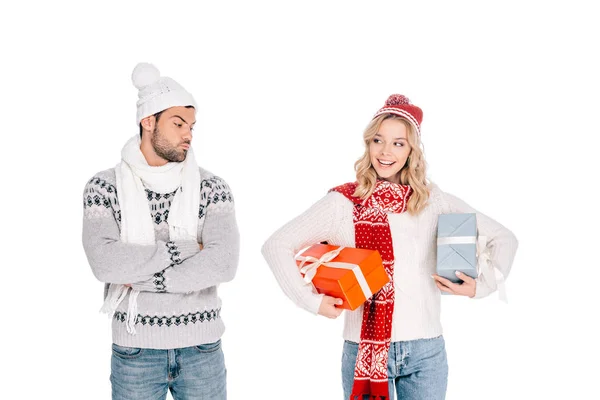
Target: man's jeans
[
  {"x": 417, "y": 369},
  {"x": 196, "y": 372}
]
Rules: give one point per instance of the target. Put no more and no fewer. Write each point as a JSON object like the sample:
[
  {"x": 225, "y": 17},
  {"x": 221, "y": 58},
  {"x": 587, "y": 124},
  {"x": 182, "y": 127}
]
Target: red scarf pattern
[{"x": 372, "y": 231}]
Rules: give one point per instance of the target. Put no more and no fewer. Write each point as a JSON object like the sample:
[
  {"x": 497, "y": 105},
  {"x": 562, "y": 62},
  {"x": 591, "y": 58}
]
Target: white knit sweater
[{"x": 417, "y": 302}]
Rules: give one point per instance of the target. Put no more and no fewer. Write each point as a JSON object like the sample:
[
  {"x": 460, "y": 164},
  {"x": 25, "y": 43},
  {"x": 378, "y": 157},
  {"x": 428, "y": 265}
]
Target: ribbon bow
[
  {"x": 314, "y": 263},
  {"x": 310, "y": 270},
  {"x": 494, "y": 278}
]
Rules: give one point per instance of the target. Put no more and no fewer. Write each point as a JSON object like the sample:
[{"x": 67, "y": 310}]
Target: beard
[{"x": 164, "y": 149}]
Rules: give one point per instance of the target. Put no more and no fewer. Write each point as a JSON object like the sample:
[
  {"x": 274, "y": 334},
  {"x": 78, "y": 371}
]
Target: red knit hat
[{"x": 400, "y": 105}]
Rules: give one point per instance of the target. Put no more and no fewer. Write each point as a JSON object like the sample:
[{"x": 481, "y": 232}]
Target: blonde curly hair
[{"x": 413, "y": 173}]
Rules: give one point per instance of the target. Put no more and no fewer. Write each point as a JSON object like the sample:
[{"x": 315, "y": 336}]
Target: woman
[{"x": 393, "y": 342}]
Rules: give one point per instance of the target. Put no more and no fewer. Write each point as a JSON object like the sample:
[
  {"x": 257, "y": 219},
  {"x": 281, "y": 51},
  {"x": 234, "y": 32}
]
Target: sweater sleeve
[
  {"x": 218, "y": 260},
  {"x": 114, "y": 261},
  {"x": 501, "y": 242},
  {"x": 313, "y": 226}
]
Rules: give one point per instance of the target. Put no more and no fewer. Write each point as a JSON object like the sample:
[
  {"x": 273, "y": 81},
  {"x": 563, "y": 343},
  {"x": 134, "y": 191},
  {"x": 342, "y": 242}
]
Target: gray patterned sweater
[{"x": 178, "y": 305}]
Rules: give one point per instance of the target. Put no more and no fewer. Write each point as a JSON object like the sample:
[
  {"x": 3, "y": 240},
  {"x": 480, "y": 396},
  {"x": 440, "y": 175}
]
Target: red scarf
[{"x": 372, "y": 231}]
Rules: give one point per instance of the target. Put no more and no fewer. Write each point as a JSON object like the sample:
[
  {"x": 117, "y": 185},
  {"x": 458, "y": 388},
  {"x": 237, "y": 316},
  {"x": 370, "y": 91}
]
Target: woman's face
[{"x": 389, "y": 150}]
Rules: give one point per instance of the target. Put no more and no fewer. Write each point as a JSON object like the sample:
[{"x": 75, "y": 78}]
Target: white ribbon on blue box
[{"x": 460, "y": 249}]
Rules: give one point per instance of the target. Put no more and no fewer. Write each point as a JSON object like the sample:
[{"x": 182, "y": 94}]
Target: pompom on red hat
[{"x": 400, "y": 105}]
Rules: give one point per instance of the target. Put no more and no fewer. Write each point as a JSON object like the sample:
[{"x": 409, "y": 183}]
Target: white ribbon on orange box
[
  {"x": 493, "y": 276},
  {"x": 309, "y": 266}
]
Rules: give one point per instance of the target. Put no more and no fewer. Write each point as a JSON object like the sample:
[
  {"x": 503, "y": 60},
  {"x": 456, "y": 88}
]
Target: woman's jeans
[{"x": 417, "y": 369}]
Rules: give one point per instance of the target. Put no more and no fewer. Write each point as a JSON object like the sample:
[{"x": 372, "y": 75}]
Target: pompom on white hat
[{"x": 157, "y": 93}]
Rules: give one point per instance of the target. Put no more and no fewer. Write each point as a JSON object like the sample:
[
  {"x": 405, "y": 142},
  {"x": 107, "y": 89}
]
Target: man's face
[{"x": 172, "y": 134}]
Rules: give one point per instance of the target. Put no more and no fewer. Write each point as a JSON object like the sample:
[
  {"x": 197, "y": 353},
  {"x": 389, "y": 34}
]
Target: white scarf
[{"x": 134, "y": 175}]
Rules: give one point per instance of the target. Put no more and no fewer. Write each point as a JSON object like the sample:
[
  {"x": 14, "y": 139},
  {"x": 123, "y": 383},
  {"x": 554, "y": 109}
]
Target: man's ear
[{"x": 148, "y": 123}]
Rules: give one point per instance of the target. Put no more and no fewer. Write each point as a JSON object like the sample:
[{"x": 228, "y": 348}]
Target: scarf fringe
[
  {"x": 360, "y": 396},
  {"x": 116, "y": 295},
  {"x": 132, "y": 311}
]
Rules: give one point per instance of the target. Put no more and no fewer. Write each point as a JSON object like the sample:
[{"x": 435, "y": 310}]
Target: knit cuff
[
  {"x": 182, "y": 250},
  {"x": 314, "y": 303},
  {"x": 145, "y": 286}
]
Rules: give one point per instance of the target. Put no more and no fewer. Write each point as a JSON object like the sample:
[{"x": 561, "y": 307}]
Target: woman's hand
[
  {"x": 467, "y": 288},
  {"x": 328, "y": 307}
]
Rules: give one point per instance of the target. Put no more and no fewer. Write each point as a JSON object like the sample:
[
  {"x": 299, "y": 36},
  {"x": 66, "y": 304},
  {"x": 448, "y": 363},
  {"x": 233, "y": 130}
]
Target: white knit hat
[{"x": 157, "y": 93}]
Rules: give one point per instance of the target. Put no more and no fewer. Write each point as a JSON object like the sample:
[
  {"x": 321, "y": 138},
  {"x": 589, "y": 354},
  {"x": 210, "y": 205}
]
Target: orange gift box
[{"x": 351, "y": 274}]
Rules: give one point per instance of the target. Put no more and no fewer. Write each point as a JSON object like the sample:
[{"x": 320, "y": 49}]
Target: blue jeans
[
  {"x": 417, "y": 369},
  {"x": 196, "y": 372}
]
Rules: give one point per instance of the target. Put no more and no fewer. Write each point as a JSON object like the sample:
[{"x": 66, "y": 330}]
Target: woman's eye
[
  {"x": 376, "y": 141},
  {"x": 399, "y": 144}
]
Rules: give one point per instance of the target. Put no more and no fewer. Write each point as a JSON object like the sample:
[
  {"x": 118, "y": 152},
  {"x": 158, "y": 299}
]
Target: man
[{"x": 161, "y": 233}]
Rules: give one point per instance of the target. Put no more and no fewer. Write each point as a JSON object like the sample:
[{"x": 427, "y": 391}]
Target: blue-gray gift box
[{"x": 457, "y": 245}]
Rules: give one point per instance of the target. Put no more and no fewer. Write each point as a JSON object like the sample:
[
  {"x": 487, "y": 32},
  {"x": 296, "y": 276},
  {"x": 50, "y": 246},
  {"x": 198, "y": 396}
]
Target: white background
[{"x": 510, "y": 93}]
